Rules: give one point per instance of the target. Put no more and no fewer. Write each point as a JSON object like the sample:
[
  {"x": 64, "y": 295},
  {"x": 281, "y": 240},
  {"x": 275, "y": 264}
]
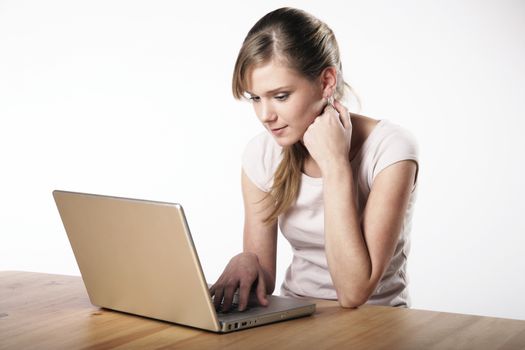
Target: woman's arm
[
  {"x": 259, "y": 238},
  {"x": 358, "y": 250},
  {"x": 255, "y": 266}
]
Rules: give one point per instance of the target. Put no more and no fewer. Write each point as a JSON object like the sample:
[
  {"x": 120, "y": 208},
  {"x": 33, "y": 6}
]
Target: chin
[{"x": 285, "y": 141}]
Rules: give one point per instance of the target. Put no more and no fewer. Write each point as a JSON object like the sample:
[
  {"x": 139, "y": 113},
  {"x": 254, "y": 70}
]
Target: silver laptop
[{"x": 137, "y": 256}]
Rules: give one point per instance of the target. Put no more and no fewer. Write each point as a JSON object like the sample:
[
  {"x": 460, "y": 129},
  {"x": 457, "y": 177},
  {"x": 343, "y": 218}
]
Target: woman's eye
[
  {"x": 254, "y": 98},
  {"x": 281, "y": 97}
]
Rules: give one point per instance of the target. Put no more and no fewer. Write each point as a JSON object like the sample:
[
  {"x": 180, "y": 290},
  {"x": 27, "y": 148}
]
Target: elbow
[
  {"x": 351, "y": 303},
  {"x": 352, "y": 300}
]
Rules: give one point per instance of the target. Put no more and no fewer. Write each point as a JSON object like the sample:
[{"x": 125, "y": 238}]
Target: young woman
[{"x": 340, "y": 186}]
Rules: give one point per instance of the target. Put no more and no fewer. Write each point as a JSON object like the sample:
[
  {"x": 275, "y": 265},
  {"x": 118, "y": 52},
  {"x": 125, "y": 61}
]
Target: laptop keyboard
[{"x": 234, "y": 308}]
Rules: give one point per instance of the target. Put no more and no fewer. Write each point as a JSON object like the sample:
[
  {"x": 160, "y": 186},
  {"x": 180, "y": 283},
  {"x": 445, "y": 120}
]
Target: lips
[{"x": 278, "y": 132}]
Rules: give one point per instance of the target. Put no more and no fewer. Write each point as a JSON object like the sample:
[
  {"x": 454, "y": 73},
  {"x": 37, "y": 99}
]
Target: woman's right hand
[{"x": 243, "y": 272}]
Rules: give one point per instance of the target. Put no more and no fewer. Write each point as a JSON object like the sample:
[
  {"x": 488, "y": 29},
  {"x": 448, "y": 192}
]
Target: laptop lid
[{"x": 137, "y": 256}]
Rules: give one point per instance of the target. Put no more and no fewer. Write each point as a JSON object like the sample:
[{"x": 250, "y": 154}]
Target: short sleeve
[
  {"x": 260, "y": 159},
  {"x": 397, "y": 145}
]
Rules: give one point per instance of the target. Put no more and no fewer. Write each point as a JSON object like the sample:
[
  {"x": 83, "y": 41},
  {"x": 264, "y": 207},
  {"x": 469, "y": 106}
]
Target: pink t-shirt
[{"x": 303, "y": 223}]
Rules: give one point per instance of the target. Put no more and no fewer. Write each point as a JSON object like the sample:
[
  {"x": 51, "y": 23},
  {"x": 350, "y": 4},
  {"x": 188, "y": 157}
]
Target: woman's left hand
[{"x": 329, "y": 137}]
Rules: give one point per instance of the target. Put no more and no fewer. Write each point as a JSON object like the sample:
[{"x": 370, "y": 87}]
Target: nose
[{"x": 267, "y": 113}]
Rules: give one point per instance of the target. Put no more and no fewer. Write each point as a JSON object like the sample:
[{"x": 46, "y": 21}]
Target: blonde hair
[{"x": 306, "y": 45}]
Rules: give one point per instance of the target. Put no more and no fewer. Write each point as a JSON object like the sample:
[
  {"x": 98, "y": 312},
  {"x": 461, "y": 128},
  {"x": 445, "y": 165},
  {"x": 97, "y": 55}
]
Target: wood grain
[{"x": 43, "y": 311}]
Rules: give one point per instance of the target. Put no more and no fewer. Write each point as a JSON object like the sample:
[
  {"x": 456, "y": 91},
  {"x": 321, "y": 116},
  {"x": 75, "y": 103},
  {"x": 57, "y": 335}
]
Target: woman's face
[{"x": 284, "y": 101}]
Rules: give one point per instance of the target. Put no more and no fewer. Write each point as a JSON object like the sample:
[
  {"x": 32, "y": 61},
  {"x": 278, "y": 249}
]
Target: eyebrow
[{"x": 272, "y": 91}]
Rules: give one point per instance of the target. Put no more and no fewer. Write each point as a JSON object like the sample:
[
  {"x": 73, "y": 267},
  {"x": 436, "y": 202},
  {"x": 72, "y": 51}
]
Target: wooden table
[{"x": 43, "y": 311}]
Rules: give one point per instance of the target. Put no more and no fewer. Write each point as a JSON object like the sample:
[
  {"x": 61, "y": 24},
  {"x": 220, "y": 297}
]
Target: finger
[
  {"x": 261, "y": 291},
  {"x": 228, "y": 298},
  {"x": 244, "y": 293},
  {"x": 215, "y": 286},
  {"x": 345, "y": 120},
  {"x": 331, "y": 112},
  {"x": 344, "y": 115},
  {"x": 339, "y": 107},
  {"x": 327, "y": 108},
  {"x": 218, "y": 297}
]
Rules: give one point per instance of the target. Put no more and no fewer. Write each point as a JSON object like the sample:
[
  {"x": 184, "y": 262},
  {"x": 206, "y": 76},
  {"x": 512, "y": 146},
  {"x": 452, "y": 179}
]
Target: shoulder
[
  {"x": 392, "y": 138},
  {"x": 390, "y": 143},
  {"x": 261, "y": 146},
  {"x": 261, "y": 140},
  {"x": 260, "y": 159}
]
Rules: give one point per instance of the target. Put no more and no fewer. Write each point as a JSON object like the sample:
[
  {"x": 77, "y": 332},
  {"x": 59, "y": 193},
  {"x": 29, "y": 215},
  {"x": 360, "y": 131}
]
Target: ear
[{"x": 328, "y": 81}]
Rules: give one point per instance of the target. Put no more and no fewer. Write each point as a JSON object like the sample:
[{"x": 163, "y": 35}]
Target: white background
[{"x": 133, "y": 98}]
